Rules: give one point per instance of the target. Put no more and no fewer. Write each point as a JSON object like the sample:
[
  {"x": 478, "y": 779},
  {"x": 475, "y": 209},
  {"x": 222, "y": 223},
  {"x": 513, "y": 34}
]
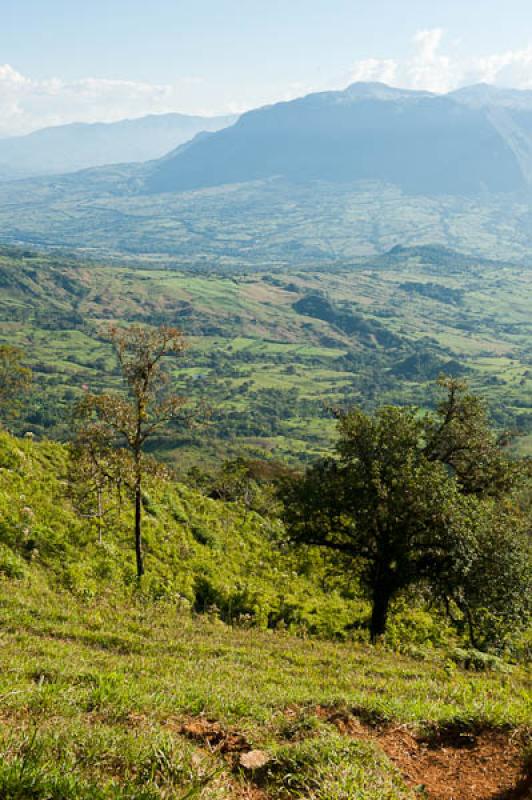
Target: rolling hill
[{"x": 268, "y": 350}]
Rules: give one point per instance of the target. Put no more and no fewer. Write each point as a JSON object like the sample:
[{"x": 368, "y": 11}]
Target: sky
[{"x": 103, "y": 60}]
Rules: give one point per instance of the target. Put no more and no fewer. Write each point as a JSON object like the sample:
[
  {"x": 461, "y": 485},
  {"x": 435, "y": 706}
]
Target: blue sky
[{"x": 63, "y": 60}]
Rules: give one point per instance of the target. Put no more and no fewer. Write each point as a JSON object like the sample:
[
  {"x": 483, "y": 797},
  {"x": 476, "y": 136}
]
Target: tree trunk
[
  {"x": 100, "y": 515},
  {"x": 471, "y": 628},
  {"x": 379, "y": 612},
  {"x": 138, "y": 531}
]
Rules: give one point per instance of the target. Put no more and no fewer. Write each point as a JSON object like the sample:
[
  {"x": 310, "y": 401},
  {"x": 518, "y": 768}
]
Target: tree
[
  {"x": 404, "y": 497},
  {"x": 459, "y": 435},
  {"x": 15, "y": 378},
  {"x": 125, "y": 423},
  {"x": 247, "y": 481},
  {"x": 489, "y": 583},
  {"x": 99, "y": 473}
]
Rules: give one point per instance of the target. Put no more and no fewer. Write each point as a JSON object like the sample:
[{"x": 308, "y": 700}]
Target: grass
[
  {"x": 96, "y": 697},
  {"x": 111, "y": 693}
]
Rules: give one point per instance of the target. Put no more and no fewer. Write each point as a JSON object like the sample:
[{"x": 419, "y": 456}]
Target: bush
[{"x": 11, "y": 565}]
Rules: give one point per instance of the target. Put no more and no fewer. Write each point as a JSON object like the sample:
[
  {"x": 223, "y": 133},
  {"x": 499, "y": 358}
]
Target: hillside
[
  {"x": 111, "y": 693},
  {"x": 199, "y": 552},
  {"x": 267, "y": 351},
  {"x": 321, "y": 180},
  {"x": 67, "y": 148},
  {"x": 418, "y": 142}
]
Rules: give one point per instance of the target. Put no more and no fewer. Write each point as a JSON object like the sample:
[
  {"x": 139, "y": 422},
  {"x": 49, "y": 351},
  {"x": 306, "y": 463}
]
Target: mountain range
[
  {"x": 463, "y": 143},
  {"x": 327, "y": 177},
  {"x": 67, "y": 148}
]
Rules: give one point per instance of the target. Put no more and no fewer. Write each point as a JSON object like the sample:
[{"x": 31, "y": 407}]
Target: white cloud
[
  {"x": 512, "y": 68},
  {"x": 432, "y": 69},
  {"x": 429, "y": 69},
  {"x": 374, "y": 69},
  {"x": 27, "y": 104}
]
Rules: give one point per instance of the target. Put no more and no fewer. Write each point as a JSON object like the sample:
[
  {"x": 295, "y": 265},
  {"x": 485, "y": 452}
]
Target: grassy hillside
[
  {"x": 108, "y": 692},
  {"x": 267, "y": 351},
  {"x": 129, "y": 701},
  {"x": 200, "y": 553}
]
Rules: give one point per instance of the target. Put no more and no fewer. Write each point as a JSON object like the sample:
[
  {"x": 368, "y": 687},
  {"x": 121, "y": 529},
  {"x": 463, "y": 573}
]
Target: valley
[
  {"x": 266, "y": 437},
  {"x": 270, "y": 352}
]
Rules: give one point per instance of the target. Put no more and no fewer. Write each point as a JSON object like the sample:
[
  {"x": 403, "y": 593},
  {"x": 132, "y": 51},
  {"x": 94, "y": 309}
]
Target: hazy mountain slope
[
  {"x": 422, "y": 143},
  {"x": 320, "y": 180},
  {"x": 67, "y": 148},
  {"x": 510, "y": 112},
  {"x": 483, "y": 94}
]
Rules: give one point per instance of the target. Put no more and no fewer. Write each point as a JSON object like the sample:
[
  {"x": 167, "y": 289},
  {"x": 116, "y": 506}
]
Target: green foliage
[
  {"x": 14, "y": 379},
  {"x": 200, "y": 552},
  {"x": 490, "y": 582},
  {"x": 409, "y": 500},
  {"x": 222, "y": 558},
  {"x": 11, "y": 564}
]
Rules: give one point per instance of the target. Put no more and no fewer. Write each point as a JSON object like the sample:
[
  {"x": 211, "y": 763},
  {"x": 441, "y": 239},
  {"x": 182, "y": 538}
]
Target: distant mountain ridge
[
  {"x": 482, "y": 95},
  {"x": 323, "y": 179},
  {"x": 77, "y": 146},
  {"x": 466, "y": 142}
]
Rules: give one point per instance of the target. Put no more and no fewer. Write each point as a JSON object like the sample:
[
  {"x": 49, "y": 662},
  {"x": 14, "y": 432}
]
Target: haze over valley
[{"x": 322, "y": 179}]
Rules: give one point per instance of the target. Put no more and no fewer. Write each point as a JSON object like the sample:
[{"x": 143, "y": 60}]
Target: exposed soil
[
  {"x": 451, "y": 764},
  {"x": 217, "y": 738}
]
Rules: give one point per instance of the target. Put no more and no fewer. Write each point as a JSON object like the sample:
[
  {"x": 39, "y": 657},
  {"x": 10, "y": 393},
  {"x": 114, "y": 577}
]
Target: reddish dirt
[
  {"x": 217, "y": 738},
  {"x": 451, "y": 765}
]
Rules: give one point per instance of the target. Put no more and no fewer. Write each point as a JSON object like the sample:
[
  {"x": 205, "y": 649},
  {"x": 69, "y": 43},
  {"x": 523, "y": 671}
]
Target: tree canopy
[
  {"x": 409, "y": 499},
  {"x": 123, "y": 423}
]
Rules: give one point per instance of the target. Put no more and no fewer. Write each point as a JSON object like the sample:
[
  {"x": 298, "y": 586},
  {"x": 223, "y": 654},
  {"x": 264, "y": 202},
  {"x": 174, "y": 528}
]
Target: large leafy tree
[
  {"x": 405, "y": 498},
  {"x": 122, "y": 424}
]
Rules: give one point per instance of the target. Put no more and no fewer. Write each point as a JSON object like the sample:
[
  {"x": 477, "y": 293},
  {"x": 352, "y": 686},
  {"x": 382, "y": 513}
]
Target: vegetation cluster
[{"x": 246, "y": 625}]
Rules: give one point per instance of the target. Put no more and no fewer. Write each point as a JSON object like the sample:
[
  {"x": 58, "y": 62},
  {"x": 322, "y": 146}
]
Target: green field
[
  {"x": 234, "y": 651},
  {"x": 269, "y": 224},
  {"x": 266, "y": 367}
]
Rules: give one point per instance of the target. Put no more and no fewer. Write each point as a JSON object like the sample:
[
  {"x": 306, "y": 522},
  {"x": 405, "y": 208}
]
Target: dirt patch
[
  {"x": 232, "y": 744},
  {"x": 214, "y": 736},
  {"x": 450, "y": 764},
  {"x": 248, "y": 791},
  {"x": 488, "y": 767}
]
